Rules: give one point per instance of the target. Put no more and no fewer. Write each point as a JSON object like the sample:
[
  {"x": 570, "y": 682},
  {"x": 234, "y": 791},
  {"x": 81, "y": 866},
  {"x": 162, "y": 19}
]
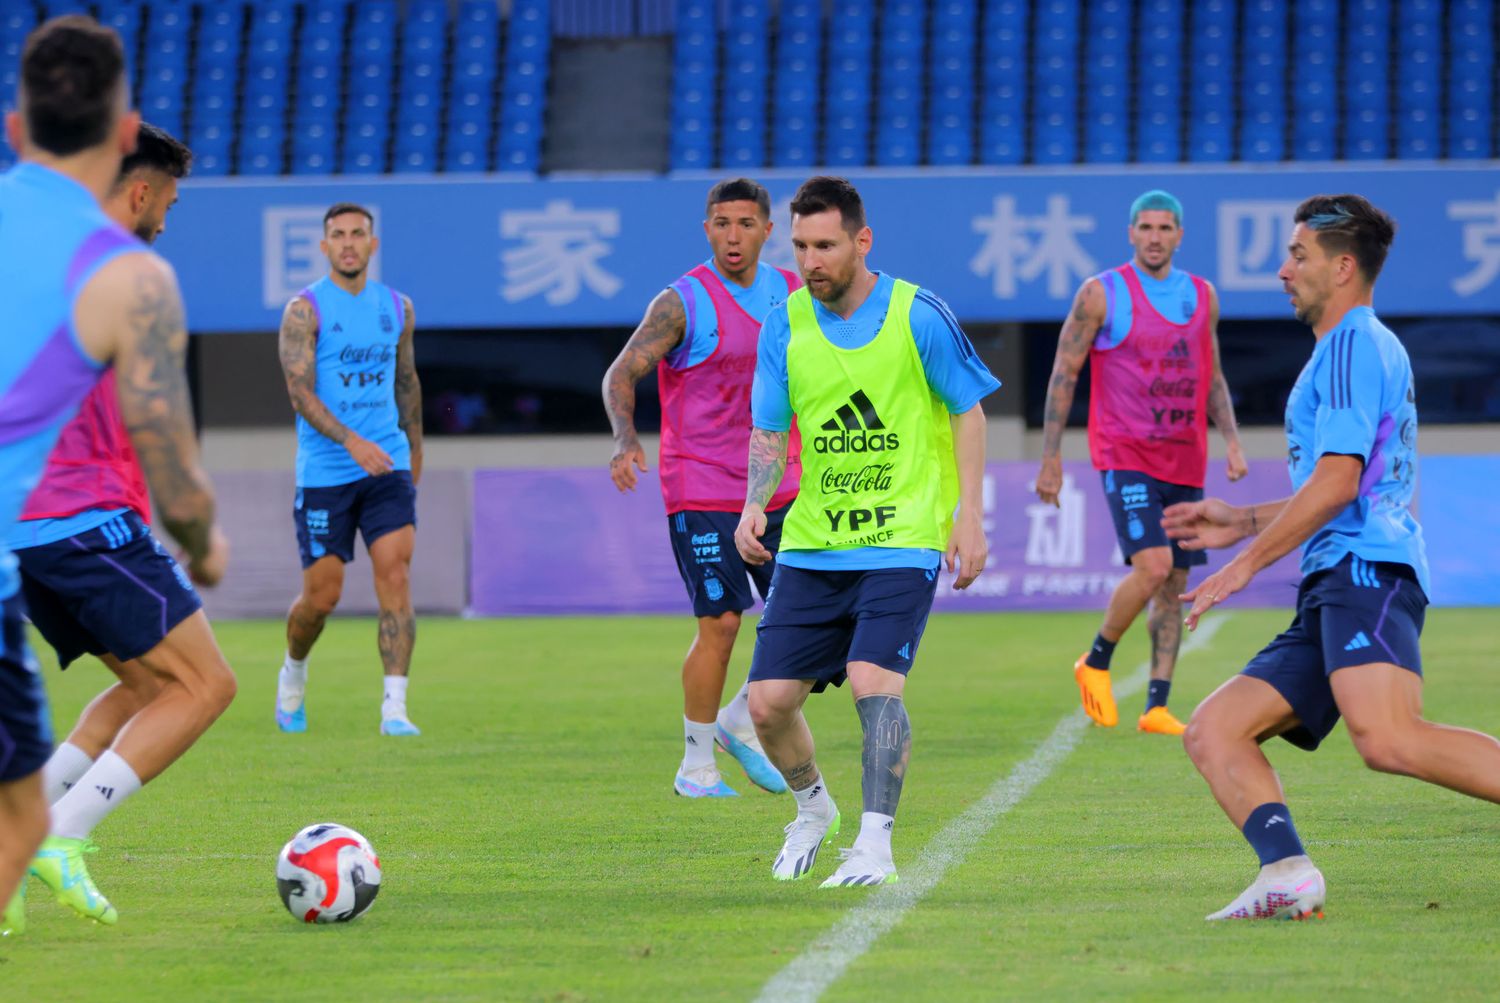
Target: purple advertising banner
[{"x": 565, "y": 541}]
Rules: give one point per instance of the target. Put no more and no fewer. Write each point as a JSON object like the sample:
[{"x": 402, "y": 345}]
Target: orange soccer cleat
[
  {"x": 1098, "y": 696},
  {"x": 1159, "y": 721}
]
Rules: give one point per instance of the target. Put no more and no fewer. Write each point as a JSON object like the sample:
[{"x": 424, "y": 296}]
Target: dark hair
[
  {"x": 339, "y": 208},
  {"x": 739, "y": 190},
  {"x": 72, "y": 70},
  {"x": 156, "y": 149},
  {"x": 823, "y": 193},
  {"x": 1349, "y": 224}
]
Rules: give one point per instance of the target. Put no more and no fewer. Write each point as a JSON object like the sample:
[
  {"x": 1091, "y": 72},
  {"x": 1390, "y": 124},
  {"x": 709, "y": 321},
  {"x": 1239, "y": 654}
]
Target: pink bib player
[
  {"x": 93, "y": 465},
  {"x": 705, "y": 415},
  {"x": 1148, "y": 406}
]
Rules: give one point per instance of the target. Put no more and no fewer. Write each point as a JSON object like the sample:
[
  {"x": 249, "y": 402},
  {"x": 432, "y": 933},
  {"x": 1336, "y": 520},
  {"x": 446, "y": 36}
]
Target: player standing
[
  {"x": 350, "y": 366},
  {"x": 700, "y": 333},
  {"x": 1150, "y": 334},
  {"x": 82, "y": 294},
  {"x": 1353, "y": 647},
  {"x": 887, "y": 387}
]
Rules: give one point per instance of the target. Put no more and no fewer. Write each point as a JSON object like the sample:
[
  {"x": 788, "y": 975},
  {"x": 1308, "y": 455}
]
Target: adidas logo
[
  {"x": 108, "y": 792},
  {"x": 1358, "y": 641},
  {"x": 338, "y": 328},
  {"x": 905, "y": 650},
  {"x": 858, "y": 429},
  {"x": 889, "y": 825},
  {"x": 691, "y": 740},
  {"x": 1180, "y": 350},
  {"x": 1273, "y": 820}
]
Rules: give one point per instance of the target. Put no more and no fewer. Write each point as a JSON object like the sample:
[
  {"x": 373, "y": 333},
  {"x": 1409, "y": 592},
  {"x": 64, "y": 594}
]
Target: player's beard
[
  {"x": 834, "y": 291},
  {"x": 351, "y": 275}
]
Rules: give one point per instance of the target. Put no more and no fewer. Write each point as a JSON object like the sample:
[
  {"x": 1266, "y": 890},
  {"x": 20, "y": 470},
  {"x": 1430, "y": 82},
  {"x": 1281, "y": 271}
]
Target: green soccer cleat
[
  {"x": 13, "y": 920},
  {"x": 59, "y": 865}
]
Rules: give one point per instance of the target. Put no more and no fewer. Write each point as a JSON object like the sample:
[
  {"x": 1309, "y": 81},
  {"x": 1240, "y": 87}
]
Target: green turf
[{"x": 533, "y": 850}]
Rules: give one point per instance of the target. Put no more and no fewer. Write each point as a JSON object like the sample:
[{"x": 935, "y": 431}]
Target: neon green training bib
[{"x": 878, "y": 468}]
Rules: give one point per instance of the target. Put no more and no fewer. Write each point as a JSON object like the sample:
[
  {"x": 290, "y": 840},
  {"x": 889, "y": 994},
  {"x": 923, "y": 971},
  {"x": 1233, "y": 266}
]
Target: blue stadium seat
[
  {"x": 313, "y": 148},
  {"x": 1005, "y": 82},
  {"x": 1315, "y": 65},
  {"x": 1159, "y": 68},
  {"x": 260, "y": 148},
  {"x": 1055, "y": 82},
  {"x": 1263, "y": 81},
  {"x": 1107, "y": 82},
  {"x": 1367, "y": 80},
  {"x": 1419, "y": 80},
  {"x": 796, "y": 100},
  {"x": 1211, "y": 81},
  {"x": 694, "y": 84},
  {"x": 846, "y": 113},
  {"x": 743, "y": 102},
  {"x": 1471, "y": 62}
]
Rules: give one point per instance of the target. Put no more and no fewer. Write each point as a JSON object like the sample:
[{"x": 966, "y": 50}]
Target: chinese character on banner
[
  {"x": 1481, "y": 226},
  {"x": 1019, "y": 248},
  {"x": 1253, "y": 236},
  {"x": 290, "y": 258},
  {"x": 1056, "y": 536},
  {"x": 560, "y": 253}
]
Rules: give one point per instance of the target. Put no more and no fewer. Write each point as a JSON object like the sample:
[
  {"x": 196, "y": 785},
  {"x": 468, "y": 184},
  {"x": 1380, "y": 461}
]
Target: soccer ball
[{"x": 327, "y": 874}]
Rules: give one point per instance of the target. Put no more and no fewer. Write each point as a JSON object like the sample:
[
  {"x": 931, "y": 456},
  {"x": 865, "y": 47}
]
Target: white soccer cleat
[
  {"x": 1295, "y": 893},
  {"x": 805, "y": 836},
  {"x": 861, "y": 867}
]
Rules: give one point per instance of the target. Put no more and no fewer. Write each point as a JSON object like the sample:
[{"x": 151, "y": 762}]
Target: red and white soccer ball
[{"x": 327, "y": 874}]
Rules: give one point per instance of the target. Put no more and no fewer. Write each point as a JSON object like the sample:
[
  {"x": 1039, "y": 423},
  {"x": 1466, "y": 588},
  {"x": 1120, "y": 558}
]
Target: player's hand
[
  {"x": 371, "y": 458},
  {"x": 629, "y": 457},
  {"x": 1216, "y": 588},
  {"x": 968, "y": 550},
  {"x": 1210, "y": 524},
  {"x": 1236, "y": 466},
  {"x": 748, "y": 533},
  {"x": 208, "y": 568},
  {"x": 1049, "y": 481}
]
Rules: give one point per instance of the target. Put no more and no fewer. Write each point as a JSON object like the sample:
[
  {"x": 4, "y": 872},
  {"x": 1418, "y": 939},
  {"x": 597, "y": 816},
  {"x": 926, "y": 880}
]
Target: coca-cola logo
[
  {"x": 1185, "y": 386},
  {"x": 871, "y": 477},
  {"x": 353, "y": 355}
]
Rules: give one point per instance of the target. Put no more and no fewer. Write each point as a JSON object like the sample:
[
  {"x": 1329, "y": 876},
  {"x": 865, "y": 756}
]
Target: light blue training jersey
[
  {"x": 954, "y": 372},
  {"x": 1355, "y": 398},
  {"x": 53, "y": 238},
  {"x": 1174, "y": 297},
  {"x": 357, "y": 337}
]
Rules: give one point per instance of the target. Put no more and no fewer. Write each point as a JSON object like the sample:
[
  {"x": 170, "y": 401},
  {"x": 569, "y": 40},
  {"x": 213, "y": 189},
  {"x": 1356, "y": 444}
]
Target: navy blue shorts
[
  {"x": 1355, "y": 613},
  {"x": 25, "y": 722},
  {"x": 327, "y": 517},
  {"x": 1136, "y": 502},
  {"x": 717, "y": 579},
  {"x": 112, "y": 590},
  {"x": 816, "y": 622}
]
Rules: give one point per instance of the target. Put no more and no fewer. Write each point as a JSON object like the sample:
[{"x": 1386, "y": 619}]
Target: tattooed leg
[
  {"x": 322, "y": 585},
  {"x": 776, "y": 710},
  {"x": 391, "y": 555},
  {"x": 1165, "y": 624}
]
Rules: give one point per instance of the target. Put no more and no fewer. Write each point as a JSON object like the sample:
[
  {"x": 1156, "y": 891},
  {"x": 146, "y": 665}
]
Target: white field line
[{"x": 812, "y": 972}]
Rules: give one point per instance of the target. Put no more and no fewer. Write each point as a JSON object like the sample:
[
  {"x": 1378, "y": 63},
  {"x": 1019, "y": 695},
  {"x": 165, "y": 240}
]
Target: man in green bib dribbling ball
[{"x": 885, "y": 388}]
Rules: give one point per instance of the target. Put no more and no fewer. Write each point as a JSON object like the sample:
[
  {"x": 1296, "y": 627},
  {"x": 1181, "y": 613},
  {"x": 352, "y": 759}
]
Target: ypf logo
[{"x": 855, "y": 428}]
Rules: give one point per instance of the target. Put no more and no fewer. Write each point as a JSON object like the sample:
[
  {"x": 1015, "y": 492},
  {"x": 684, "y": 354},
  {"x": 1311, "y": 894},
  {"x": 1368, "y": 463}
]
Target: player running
[
  {"x": 1150, "y": 334},
  {"x": 350, "y": 367},
  {"x": 700, "y": 334},
  {"x": 1353, "y": 647},
  {"x": 887, "y": 388},
  {"x": 84, "y": 294}
]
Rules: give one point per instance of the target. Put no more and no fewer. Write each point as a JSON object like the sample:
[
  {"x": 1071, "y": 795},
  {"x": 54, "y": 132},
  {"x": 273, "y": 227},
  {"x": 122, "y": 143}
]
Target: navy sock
[
  {"x": 1156, "y": 693},
  {"x": 1271, "y": 834},
  {"x": 1100, "y": 654}
]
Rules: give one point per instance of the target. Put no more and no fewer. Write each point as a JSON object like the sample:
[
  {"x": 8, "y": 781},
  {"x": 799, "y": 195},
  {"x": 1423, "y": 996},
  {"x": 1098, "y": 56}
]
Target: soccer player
[
  {"x": 700, "y": 334},
  {"x": 350, "y": 366},
  {"x": 886, "y": 387},
  {"x": 1352, "y": 649},
  {"x": 91, "y": 501},
  {"x": 1150, "y": 334},
  {"x": 83, "y": 294}
]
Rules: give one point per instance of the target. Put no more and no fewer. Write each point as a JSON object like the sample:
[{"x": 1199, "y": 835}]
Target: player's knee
[
  {"x": 1197, "y": 740},
  {"x": 322, "y": 601},
  {"x": 720, "y": 631},
  {"x": 1383, "y": 752},
  {"x": 394, "y": 579},
  {"x": 220, "y": 687},
  {"x": 765, "y": 713},
  {"x": 1154, "y": 568}
]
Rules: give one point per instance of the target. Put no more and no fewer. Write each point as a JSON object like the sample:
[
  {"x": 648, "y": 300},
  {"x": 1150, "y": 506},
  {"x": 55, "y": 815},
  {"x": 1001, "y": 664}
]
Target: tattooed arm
[
  {"x": 149, "y": 351},
  {"x": 409, "y": 389},
  {"x": 1220, "y": 404},
  {"x": 1084, "y": 320},
  {"x": 660, "y": 331},
  {"x": 767, "y": 465},
  {"x": 298, "y": 345}
]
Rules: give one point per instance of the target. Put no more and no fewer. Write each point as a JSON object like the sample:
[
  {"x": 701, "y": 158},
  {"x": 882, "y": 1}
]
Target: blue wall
[{"x": 497, "y": 252}]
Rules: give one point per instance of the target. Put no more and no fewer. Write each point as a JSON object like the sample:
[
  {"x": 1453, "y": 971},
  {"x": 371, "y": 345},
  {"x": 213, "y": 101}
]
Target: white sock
[
  {"x": 97, "y": 793},
  {"x": 814, "y": 799},
  {"x": 735, "y": 716},
  {"x": 875, "y": 834},
  {"x": 697, "y": 744},
  {"x": 291, "y": 684},
  {"x": 67, "y": 763},
  {"x": 393, "y": 704}
]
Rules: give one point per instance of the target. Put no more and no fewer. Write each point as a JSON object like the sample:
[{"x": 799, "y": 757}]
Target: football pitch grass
[{"x": 532, "y": 848}]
